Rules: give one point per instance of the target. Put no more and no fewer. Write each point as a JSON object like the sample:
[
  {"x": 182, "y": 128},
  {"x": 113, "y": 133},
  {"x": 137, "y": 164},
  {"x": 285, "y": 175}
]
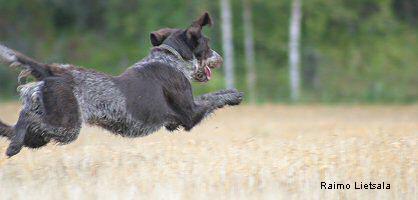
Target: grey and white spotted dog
[{"x": 154, "y": 92}]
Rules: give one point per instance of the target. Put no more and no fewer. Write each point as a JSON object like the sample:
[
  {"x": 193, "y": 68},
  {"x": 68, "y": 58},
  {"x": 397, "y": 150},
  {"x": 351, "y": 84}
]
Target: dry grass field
[{"x": 246, "y": 152}]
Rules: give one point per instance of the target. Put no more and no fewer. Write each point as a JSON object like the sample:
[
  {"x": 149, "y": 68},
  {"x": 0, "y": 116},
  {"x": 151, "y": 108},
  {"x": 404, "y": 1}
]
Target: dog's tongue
[{"x": 208, "y": 72}]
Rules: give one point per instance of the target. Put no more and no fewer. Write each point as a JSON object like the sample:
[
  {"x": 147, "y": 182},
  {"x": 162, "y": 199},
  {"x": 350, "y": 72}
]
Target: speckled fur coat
[
  {"x": 154, "y": 92},
  {"x": 92, "y": 97}
]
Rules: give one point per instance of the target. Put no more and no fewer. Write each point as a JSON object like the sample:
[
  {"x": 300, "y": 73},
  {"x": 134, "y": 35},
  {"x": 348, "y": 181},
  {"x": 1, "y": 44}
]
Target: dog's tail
[
  {"x": 30, "y": 67},
  {"x": 6, "y": 130}
]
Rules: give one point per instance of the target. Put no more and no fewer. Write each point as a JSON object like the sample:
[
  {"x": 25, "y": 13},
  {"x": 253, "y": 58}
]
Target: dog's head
[{"x": 191, "y": 44}]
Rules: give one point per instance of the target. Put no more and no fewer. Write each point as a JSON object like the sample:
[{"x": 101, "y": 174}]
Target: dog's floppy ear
[
  {"x": 158, "y": 37},
  {"x": 203, "y": 20}
]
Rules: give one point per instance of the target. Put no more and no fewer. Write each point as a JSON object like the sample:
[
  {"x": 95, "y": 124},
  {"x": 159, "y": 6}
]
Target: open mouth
[
  {"x": 204, "y": 73},
  {"x": 208, "y": 72}
]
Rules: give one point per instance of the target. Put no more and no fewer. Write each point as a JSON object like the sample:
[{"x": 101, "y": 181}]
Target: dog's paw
[
  {"x": 234, "y": 98},
  {"x": 13, "y": 149}
]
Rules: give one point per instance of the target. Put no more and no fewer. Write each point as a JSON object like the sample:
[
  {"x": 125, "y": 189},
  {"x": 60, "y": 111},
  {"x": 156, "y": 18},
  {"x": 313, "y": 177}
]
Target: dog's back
[{"x": 59, "y": 101}]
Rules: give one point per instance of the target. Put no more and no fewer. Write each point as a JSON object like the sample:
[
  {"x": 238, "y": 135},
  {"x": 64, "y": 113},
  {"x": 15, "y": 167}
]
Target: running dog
[{"x": 153, "y": 93}]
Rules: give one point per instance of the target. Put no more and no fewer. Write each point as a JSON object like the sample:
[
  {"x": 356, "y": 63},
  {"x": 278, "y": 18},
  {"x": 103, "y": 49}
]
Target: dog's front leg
[
  {"x": 221, "y": 98},
  {"x": 207, "y": 103},
  {"x": 18, "y": 138},
  {"x": 204, "y": 105}
]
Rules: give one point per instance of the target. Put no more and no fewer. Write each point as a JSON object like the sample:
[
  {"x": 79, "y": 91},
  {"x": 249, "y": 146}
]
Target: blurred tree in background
[{"x": 351, "y": 51}]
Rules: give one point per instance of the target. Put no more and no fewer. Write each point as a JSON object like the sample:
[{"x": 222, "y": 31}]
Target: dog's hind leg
[
  {"x": 6, "y": 130},
  {"x": 23, "y": 135},
  {"x": 18, "y": 138},
  {"x": 33, "y": 139}
]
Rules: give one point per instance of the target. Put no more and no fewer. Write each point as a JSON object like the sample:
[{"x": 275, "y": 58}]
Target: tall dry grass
[{"x": 247, "y": 152}]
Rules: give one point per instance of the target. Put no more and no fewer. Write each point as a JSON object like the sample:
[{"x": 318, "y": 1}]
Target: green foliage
[{"x": 352, "y": 51}]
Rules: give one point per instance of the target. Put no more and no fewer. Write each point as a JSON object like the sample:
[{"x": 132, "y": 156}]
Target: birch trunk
[
  {"x": 227, "y": 43},
  {"x": 294, "y": 54},
  {"x": 249, "y": 50}
]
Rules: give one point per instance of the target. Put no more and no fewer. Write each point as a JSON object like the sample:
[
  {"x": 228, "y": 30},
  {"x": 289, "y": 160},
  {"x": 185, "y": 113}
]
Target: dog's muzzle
[
  {"x": 204, "y": 72},
  {"x": 215, "y": 60}
]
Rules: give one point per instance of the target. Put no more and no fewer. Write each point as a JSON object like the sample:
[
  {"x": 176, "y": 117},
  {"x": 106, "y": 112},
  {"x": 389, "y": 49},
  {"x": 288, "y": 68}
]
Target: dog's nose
[{"x": 216, "y": 60}]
